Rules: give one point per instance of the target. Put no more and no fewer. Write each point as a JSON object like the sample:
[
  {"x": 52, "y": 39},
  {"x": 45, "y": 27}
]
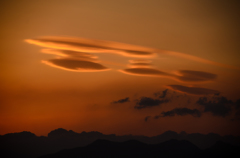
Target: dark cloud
[
  {"x": 193, "y": 90},
  {"x": 161, "y": 94},
  {"x": 237, "y": 104},
  {"x": 180, "y": 112},
  {"x": 237, "y": 108},
  {"x": 75, "y": 65},
  {"x": 236, "y": 116},
  {"x": 164, "y": 93},
  {"x": 146, "y": 118},
  {"x": 218, "y": 106},
  {"x": 195, "y": 76},
  {"x": 146, "y": 102},
  {"x": 122, "y": 100},
  {"x": 145, "y": 72}
]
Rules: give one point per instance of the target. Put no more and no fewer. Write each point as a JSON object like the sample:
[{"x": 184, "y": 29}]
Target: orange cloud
[
  {"x": 194, "y": 76},
  {"x": 139, "y": 61},
  {"x": 145, "y": 72},
  {"x": 198, "y": 59},
  {"x": 69, "y": 53},
  {"x": 76, "y": 65},
  {"x": 100, "y": 46},
  {"x": 180, "y": 76},
  {"x": 139, "y": 65},
  {"x": 192, "y": 90},
  {"x": 92, "y": 46}
]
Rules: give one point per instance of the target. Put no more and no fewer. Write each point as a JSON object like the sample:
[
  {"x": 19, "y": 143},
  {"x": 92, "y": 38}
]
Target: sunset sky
[{"x": 139, "y": 67}]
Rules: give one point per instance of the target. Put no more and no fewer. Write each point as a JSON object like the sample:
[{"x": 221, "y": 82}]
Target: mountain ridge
[{"x": 31, "y": 146}]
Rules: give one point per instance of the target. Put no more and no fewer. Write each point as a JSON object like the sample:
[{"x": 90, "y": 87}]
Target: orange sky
[{"x": 70, "y": 64}]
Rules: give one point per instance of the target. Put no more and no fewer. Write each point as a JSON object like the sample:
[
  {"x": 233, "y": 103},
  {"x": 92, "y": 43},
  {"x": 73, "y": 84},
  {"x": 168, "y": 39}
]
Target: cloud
[
  {"x": 122, "y": 100},
  {"x": 198, "y": 59},
  {"x": 92, "y": 46},
  {"x": 237, "y": 104},
  {"x": 69, "y": 53},
  {"x": 145, "y": 72},
  {"x": 180, "y": 112},
  {"x": 101, "y": 46},
  {"x": 193, "y": 76},
  {"x": 146, "y": 118},
  {"x": 161, "y": 94},
  {"x": 138, "y": 53},
  {"x": 146, "y": 102},
  {"x": 218, "y": 106},
  {"x": 237, "y": 111},
  {"x": 143, "y": 69},
  {"x": 164, "y": 93},
  {"x": 193, "y": 90},
  {"x": 76, "y": 65},
  {"x": 140, "y": 65},
  {"x": 139, "y": 61}
]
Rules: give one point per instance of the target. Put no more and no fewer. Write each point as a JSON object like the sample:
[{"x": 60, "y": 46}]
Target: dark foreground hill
[
  {"x": 133, "y": 148},
  {"x": 28, "y": 145}
]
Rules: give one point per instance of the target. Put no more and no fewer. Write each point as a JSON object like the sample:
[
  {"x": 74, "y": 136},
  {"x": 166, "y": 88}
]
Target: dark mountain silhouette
[
  {"x": 132, "y": 148},
  {"x": 28, "y": 145},
  {"x": 169, "y": 149}
]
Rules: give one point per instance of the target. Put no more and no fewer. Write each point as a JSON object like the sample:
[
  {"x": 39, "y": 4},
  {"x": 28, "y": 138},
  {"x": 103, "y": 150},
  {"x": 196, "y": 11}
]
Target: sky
[{"x": 120, "y": 67}]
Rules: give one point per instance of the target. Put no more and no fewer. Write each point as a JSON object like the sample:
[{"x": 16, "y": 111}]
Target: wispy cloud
[
  {"x": 181, "y": 75},
  {"x": 197, "y": 59},
  {"x": 192, "y": 90},
  {"x": 219, "y": 106},
  {"x": 92, "y": 46},
  {"x": 135, "y": 61},
  {"x": 195, "y": 76},
  {"x": 76, "y": 65},
  {"x": 121, "y": 100},
  {"x": 147, "y": 118},
  {"x": 146, "y": 102},
  {"x": 180, "y": 112},
  {"x": 127, "y": 50},
  {"x": 69, "y": 53},
  {"x": 145, "y": 72},
  {"x": 161, "y": 94},
  {"x": 79, "y": 54}
]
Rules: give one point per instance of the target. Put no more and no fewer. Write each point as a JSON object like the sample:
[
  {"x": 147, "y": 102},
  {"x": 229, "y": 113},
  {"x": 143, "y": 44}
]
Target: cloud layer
[
  {"x": 195, "y": 76},
  {"x": 180, "y": 112},
  {"x": 219, "y": 106},
  {"x": 181, "y": 75},
  {"x": 121, "y": 100},
  {"x": 192, "y": 90},
  {"x": 145, "y": 72},
  {"x": 146, "y": 102},
  {"x": 69, "y": 53},
  {"x": 76, "y": 65},
  {"x": 92, "y": 46}
]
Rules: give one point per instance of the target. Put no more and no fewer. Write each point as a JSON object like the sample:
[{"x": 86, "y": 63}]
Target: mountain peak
[{"x": 60, "y": 132}]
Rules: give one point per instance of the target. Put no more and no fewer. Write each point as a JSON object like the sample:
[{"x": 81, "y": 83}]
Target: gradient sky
[{"x": 101, "y": 65}]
